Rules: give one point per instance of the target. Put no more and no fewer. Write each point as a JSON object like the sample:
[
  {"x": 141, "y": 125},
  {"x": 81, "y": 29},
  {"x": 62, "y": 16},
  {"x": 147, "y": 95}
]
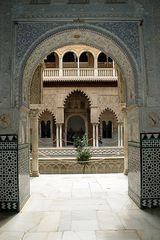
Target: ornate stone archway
[
  {"x": 91, "y": 36},
  {"x": 88, "y": 35},
  {"x": 27, "y": 60}
]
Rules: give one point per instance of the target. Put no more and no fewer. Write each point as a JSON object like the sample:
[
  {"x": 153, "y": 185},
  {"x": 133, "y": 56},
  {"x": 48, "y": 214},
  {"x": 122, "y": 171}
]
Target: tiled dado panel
[
  {"x": 9, "y": 191},
  {"x": 134, "y": 166},
  {"x": 144, "y": 170},
  {"x": 150, "y": 169},
  {"x": 9, "y": 173}
]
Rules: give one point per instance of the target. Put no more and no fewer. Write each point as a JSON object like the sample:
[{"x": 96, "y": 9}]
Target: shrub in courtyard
[{"x": 83, "y": 152}]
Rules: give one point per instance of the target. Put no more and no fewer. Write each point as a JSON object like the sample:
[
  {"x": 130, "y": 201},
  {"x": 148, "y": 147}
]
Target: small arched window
[
  {"x": 102, "y": 58},
  {"x": 84, "y": 57},
  {"x": 69, "y": 57}
]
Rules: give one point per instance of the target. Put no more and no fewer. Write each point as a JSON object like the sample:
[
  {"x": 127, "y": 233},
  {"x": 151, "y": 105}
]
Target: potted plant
[{"x": 83, "y": 152}]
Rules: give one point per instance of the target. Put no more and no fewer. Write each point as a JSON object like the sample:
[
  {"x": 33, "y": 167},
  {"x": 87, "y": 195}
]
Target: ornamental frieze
[{"x": 28, "y": 33}]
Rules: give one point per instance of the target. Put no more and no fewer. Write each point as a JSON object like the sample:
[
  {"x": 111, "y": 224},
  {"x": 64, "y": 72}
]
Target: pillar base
[
  {"x": 125, "y": 172},
  {"x": 35, "y": 174}
]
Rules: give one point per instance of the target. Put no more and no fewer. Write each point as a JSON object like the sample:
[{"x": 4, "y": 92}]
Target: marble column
[
  {"x": 57, "y": 135},
  {"x": 114, "y": 71},
  {"x": 97, "y": 135},
  {"x": 94, "y": 135},
  {"x": 60, "y": 135},
  {"x": 78, "y": 67},
  {"x": 95, "y": 66},
  {"x": 34, "y": 125},
  {"x": 119, "y": 135},
  {"x": 60, "y": 66}
]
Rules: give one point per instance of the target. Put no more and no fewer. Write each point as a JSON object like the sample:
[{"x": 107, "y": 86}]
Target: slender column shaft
[
  {"x": 60, "y": 66},
  {"x": 60, "y": 133},
  {"x": 96, "y": 135},
  {"x": 114, "y": 72},
  {"x": 95, "y": 66},
  {"x": 93, "y": 135},
  {"x": 78, "y": 67},
  {"x": 57, "y": 135},
  {"x": 119, "y": 136},
  {"x": 34, "y": 124}
]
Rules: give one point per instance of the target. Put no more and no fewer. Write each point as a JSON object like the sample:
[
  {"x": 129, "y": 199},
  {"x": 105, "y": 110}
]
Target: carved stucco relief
[{"x": 52, "y": 100}]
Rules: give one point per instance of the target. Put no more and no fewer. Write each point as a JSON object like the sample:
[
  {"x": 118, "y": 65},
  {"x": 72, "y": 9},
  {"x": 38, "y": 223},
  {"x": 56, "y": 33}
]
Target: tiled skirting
[
  {"x": 66, "y": 166},
  {"x": 150, "y": 169},
  {"x": 14, "y": 175},
  {"x": 144, "y": 170},
  {"x": 9, "y": 189}
]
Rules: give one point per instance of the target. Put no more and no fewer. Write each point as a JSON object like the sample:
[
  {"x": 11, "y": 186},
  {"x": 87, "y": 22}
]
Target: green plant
[{"x": 83, "y": 152}]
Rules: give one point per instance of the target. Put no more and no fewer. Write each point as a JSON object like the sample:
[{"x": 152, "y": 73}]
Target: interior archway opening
[
  {"x": 102, "y": 82},
  {"x": 76, "y": 117}
]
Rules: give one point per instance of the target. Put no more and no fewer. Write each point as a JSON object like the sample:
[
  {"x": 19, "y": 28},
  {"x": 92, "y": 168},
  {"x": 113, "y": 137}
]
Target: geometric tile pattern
[
  {"x": 9, "y": 191},
  {"x": 150, "y": 169}
]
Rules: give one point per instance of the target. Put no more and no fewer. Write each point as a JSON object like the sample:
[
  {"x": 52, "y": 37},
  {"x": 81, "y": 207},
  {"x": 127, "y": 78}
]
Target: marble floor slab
[{"x": 80, "y": 207}]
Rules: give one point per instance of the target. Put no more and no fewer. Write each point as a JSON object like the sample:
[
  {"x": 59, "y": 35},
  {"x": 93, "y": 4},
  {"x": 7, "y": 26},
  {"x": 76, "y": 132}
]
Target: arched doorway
[
  {"x": 129, "y": 75},
  {"x": 108, "y": 128},
  {"x": 76, "y": 116},
  {"x": 47, "y": 129},
  {"x": 75, "y": 128}
]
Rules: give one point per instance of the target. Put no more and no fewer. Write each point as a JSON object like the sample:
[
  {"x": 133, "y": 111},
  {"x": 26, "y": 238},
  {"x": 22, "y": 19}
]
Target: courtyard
[{"x": 80, "y": 207}]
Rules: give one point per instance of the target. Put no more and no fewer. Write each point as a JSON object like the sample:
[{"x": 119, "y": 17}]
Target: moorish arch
[
  {"x": 108, "y": 128},
  {"x": 47, "y": 128},
  {"x": 110, "y": 110},
  {"x": 91, "y": 36},
  {"x": 76, "y": 116},
  {"x": 42, "y": 111},
  {"x": 78, "y": 91}
]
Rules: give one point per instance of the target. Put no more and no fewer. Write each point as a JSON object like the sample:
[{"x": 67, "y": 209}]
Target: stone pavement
[{"x": 80, "y": 207}]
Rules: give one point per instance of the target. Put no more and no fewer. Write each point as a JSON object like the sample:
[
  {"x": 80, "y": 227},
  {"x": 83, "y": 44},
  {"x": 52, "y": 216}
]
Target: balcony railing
[{"x": 51, "y": 74}]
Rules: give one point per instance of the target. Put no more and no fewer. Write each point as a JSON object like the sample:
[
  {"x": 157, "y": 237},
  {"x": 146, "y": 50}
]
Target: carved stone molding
[
  {"x": 4, "y": 121},
  {"x": 34, "y": 113}
]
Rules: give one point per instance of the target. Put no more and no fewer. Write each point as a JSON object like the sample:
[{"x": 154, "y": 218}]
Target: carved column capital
[{"x": 34, "y": 112}]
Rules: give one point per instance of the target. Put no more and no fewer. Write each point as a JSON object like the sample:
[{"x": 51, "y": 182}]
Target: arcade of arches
[{"x": 85, "y": 82}]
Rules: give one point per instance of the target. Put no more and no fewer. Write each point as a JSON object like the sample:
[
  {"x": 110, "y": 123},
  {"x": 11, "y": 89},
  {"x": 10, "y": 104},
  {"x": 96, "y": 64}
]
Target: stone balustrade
[{"x": 51, "y": 74}]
